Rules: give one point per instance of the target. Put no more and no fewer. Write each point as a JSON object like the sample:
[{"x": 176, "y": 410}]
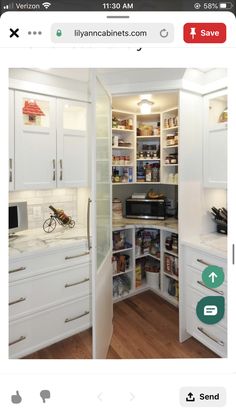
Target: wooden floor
[{"x": 145, "y": 326}]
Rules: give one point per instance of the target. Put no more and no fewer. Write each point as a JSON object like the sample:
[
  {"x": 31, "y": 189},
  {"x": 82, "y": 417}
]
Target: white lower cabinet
[
  {"x": 50, "y": 305},
  {"x": 194, "y": 289},
  {"x": 46, "y": 327}
]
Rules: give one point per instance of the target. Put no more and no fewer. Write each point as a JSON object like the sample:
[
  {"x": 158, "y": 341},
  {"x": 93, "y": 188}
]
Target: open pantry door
[{"x": 102, "y": 307}]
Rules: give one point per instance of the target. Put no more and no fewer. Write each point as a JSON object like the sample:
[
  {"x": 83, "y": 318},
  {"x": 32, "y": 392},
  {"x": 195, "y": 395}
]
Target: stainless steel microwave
[{"x": 145, "y": 208}]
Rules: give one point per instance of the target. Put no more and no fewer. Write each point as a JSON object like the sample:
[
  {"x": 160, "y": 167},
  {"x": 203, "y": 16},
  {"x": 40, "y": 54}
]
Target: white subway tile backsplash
[{"x": 39, "y": 201}]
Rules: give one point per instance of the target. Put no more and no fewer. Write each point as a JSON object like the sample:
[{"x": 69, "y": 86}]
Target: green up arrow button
[{"x": 213, "y": 276}]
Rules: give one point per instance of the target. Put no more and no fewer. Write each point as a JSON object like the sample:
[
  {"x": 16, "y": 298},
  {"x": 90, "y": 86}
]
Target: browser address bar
[{"x": 112, "y": 33}]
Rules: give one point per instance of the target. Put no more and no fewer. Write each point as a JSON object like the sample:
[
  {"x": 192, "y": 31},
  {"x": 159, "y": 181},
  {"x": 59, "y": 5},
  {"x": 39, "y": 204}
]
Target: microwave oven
[
  {"x": 17, "y": 217},
  {"x": 145, "y": 208}
]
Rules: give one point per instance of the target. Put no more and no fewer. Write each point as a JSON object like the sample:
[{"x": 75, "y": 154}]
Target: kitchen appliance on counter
[
  {"x": 18, "y": 217},
  {"x": 145, "y": 208}
]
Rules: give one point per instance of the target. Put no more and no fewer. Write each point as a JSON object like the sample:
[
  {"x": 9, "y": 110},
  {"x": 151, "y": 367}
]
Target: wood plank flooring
[{"x": 145, "y": 326}]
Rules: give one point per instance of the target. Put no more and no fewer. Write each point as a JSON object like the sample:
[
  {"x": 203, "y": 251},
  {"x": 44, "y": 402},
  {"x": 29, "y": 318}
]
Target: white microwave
[{"x": 18, "y": 217}]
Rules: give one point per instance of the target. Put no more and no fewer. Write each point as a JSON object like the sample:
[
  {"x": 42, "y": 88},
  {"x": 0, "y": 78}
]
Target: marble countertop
[
  {"x": 30, "y": 241},
  {"x": 167, "y": 224},
  {"x": 214, "y": 243}
]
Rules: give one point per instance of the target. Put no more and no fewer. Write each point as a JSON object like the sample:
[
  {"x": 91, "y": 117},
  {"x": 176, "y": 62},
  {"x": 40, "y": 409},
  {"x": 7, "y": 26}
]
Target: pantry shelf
[
  {"x": 170, "y": 146},
  {"x": 170, "y": 165},
  {"x": 122, "y": 273},
  {"x": 122, "y": 250},
  {"x": 147, "y": 254},
  {"x": 147, "y": 136},
  {"x": 171, "y": 276},
  {"x": 122, "y": 130},
  {"x": 150, "y": 159},
  {"x": 171, "y": 253},
  {"x": 172, "y": 300},
  {"x": 168, "y": 129},
  {"x": 122, "y": 148}
]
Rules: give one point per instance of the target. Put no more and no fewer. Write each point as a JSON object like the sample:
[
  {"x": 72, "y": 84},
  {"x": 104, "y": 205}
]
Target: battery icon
[{"x": 226, "y": 6}]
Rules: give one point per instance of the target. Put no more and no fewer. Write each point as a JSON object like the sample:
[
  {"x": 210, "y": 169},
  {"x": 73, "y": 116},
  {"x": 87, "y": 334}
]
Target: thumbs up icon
[{"x": 16, "y": 398}]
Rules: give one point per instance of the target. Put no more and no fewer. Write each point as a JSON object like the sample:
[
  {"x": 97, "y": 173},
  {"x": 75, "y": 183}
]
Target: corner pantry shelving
[
  {"x": 140, "y": 262},
  {"x": 144, "y": 144}
]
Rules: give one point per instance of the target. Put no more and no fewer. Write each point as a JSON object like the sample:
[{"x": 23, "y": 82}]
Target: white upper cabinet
[
  {"x": 50, "y": 142},
  {"x": 215, "y": 140},
  {"x": 35, "y": 141},
  {"x": 72, "y": 150},
  {"x": 11, "y": 141}
]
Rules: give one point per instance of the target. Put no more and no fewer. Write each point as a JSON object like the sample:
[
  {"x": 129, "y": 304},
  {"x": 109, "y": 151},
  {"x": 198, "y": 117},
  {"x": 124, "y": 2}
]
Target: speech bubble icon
[{"x": 45, "y": 394}]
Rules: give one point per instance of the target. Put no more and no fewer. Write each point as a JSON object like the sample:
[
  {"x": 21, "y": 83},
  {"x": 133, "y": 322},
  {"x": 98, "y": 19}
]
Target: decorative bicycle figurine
[{"x": 59, "y": 217}]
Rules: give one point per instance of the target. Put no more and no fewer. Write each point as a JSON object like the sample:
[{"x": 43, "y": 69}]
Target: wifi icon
[{"x": 46, "y": 4}]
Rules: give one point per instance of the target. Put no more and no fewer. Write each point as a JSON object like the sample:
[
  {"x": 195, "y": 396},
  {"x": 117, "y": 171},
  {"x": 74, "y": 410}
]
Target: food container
[
  {"x": 153, "y": 279},
  {"x": 116, "y": 209}
]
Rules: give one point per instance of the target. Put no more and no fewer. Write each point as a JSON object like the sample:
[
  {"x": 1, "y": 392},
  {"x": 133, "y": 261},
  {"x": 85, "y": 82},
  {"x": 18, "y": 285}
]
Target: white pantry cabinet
[
  {"x": 215, "y": 140},
  {"x": 11, "y": 140},
  {"x": 72, "y": 150},
  {"x": 51, "y": 143}
]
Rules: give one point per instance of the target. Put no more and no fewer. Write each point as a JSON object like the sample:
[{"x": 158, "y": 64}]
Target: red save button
[{"x": 204, "y": 33}]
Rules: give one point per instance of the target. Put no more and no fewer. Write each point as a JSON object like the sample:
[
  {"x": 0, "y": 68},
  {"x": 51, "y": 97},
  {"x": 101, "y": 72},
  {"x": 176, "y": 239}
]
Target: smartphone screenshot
[{"x": 118, "y": 209}]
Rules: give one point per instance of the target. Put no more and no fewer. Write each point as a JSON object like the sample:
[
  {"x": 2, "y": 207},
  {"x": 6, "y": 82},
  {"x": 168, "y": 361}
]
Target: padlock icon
[{"x": 59, "y": 32}]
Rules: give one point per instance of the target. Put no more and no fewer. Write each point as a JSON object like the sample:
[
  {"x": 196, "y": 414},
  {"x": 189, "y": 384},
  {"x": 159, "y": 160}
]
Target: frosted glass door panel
[
  {"x": 74, "y": 116},
  {"x": 72, "y": 144},
  {"x": 103, "y": 161},
  {"x": 101, "y": 215}
]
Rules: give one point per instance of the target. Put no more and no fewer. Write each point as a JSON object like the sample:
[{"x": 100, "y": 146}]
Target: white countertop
[
  {"x": 31, "y": 241},
  {"x": 170, "y": 224},
  {"x": 214, "y": 243}
]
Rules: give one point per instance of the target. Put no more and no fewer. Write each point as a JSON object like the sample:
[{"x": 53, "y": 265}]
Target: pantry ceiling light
[{"x": 145, "y": 106}]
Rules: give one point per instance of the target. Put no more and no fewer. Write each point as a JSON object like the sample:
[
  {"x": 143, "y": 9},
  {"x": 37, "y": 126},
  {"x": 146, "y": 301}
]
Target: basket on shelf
[{"x": 145, "y": 130}]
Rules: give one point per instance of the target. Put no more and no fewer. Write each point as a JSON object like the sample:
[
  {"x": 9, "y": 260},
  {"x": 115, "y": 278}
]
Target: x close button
[
  {"x": 205, "y": 33},
  {"x": 14, "y": 32}
]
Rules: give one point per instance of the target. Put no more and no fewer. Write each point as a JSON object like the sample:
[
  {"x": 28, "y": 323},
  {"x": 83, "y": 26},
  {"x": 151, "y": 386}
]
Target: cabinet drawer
[
  {"x": 36, "y": 264},
  {"x": 193, "y": 278},
  {"x": 44, "y": 290},
  {"x": 45, "y": 328},
  {"x": 192, "y": 298},
  {"x": 200, "y": 260},
  {"x": 212, "y": 336}
]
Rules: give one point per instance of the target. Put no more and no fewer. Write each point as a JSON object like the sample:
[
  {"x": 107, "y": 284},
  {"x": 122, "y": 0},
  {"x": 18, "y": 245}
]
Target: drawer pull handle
[
  {"x": 22, "y": 268},
  {"x": 212, "y": 289},
  {"x": 17, "y": 301},
  {"x": 17, "y": 340},
  {"x": 219, "y": 342},
  {"x": 71, "y": 319},
  {"x": 76, "y": 283},
  {"x": 77, "y": 256},
  {"x": 203, "y": 262}
]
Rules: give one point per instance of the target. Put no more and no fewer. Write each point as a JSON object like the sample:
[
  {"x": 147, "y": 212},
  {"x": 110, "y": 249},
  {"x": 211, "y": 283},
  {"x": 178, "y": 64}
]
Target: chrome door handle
[
  {"x": 61, "y": 169},
  {"x": 17, "y": 301},
  {"x": 203, "y": 262},
  {"x": 10, "y": 170},
  {"x": 72, "y": 284},
  {"x": 88, "y": 223},
  {"x": 54, "y": 169},
  {"x": 22, "y": 268},
  {"x": 17, "y": 340},
  {"x": 77, "y": 256},
  {"x": 71, "y": 319},
  {"x": 218, "y": 341},
  {"x": 212, "y": 289}
]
